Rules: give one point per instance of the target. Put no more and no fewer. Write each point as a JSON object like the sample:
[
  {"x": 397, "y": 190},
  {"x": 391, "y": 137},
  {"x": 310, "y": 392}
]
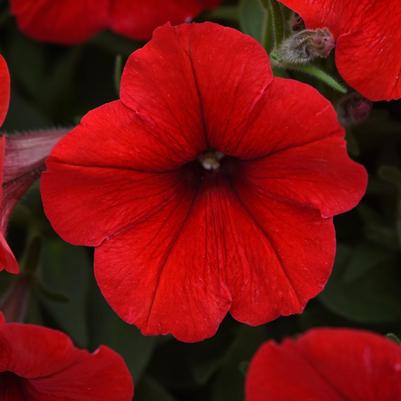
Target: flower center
[
  {"x": 210, "y": 160},
  {"x": 10, "y": 384}
]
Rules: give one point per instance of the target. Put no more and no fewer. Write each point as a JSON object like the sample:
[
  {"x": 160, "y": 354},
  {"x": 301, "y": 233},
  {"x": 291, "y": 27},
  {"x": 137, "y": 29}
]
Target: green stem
[
  {"x": 321, "y": 75},
  {"x": 276, "y": 19}
]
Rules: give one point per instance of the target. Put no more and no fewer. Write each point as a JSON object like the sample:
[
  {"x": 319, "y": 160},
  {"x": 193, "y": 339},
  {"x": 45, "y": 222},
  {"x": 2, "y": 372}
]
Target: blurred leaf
[
  {"x": 365, "y": 256},
  {"x": 363, "y": 290},
  {"x": 229, "y": 383},
  {"x": 391, "y": 174},
  {"x": 319, "y": 74},
  {"x": 229, "y": 13},
  {"x": 65, "y": 270},
  {"x": 150, "y": 390},
  {"x": 275, "y": 20},
  {"x": 253, "y": 19},
  {"x": 108, "y": 329},
  {"x": 30, "y": 73},
  {"x": 193, "y": 364}
]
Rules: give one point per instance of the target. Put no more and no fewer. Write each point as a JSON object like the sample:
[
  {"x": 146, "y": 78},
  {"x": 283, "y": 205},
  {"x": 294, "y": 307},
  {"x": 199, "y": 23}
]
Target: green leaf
[
  {"x": 319, "y": 74},
  {"x": 364, "y": 287},
  {"x": 150, "y": 390},
  {"x": 65, "y": 270},
  {"x": 391, "y": 174},
  {"x": 253, "y": 19},
  {"x": 105, "y": 327},
  {"x": 229, "y": 383}
]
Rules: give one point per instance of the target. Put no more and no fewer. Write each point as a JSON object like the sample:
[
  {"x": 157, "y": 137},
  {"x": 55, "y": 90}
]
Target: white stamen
[{"x": 211, "y": 160}]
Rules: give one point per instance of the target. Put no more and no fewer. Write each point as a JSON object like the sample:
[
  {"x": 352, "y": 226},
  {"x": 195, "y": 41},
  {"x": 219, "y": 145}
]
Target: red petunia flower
[
  {"x": 327, "y": 364},
  {"x": 209, "y": 187},
  {"x": 72, "y": 21},
  {"x": 21, "y": 161},
  {"x": 40, "y": 364},
  {"x": 368, "y": 48}
]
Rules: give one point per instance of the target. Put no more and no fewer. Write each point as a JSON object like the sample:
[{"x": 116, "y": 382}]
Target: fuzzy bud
[
  {"x": 307, "y": 45},
  {"x": 353, "y": 109}
]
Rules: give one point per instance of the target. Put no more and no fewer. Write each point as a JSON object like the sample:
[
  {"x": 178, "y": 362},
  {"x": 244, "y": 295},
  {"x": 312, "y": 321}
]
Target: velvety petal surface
[
  {"x": 211, "y": 251},
  {"x": 101, "y": 376},
  {"x": 49, "y": 367},
  {"x": 284, "y": 254},
  {"x": 165, "y": 275},
  {"x": 329, "y": 364},
  {"x": 61, "y": 21},
  {"x": 25, "y": 350},
  {"x": 319, "y": 175},
  {"x": 181, "y": 82},
  {"x": 137, "y": 18},
  {"x": 4, "y": 89},
  {"x": 368, "y": 48},
  {"x": 269, "y": 129},
  {"x": 127, "y": 178},
  {"x": 7, "y": 258}
]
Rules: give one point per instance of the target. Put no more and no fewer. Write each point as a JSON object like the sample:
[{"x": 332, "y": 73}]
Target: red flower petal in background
[
  {"x": 137, "y": 19},
  {"x": 4, "y": 89},
  {"x": 39, "y": 364},
  {"x": 61, "y": 21},
  {"x": 72, "y": 21},
  {"x": 327, "y": 364},
  {"x": 21, "y": 161},
  {"x": 210, "y": 187},
  {"x": 368, "y": 48}
]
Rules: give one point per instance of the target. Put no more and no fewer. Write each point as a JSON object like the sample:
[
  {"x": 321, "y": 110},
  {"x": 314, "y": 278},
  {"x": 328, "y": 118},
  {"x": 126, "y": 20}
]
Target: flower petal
[
  {"x": 282, "y": 255},
  {"x": 368, "y": 48},
  {"x": 190, "y": 90},
  {"x": 25, "y": 350},
  {"x": 319, "y": 175},
  {"x": 61, "y": 21},
  {"x": 113, "y": 185},
  {"x": 270, "y": 129},
  {"x": 164, "y": 276},
  {"x": 329, "y": 364},
  {"x": 55, "y": 370},
  {"x": 101, "y": 376},
  {"x": 7, "y": 258},
  {"x": 207, "y": 251},
  {"x": 4, "y": 89}
]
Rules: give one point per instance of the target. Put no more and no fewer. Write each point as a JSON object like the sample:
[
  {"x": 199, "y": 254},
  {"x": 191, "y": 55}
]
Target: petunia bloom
[
  {"x": 40, "y": 364},
  {"x": 209, "y": 187},
  {"x": 72, "y": 21},
  {"x": 327, "y": 364},
  {"x": 368, "y": 48}
]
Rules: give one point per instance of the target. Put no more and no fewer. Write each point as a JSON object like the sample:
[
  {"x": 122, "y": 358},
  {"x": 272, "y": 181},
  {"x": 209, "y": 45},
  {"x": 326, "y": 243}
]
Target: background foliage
[{"x": 56, "y": 85}]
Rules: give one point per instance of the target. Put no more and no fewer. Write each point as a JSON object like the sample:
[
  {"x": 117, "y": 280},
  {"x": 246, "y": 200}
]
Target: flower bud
[
  {"x": 307, "y": 45},
  {"x": 353, "y": 109},
  {"x": 23, "y": 162}
]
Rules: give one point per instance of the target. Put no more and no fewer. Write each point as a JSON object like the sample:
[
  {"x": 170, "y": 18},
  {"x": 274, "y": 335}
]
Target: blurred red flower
[
  {"x": 21, "y": 161},
  {"x": 327, "y": 364},
  {"x": 209, "y": 187},
  {"x": 72, "y": 21},
  {"x": 39, "y": 364},
  {"x": 368, "y": 47}
]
